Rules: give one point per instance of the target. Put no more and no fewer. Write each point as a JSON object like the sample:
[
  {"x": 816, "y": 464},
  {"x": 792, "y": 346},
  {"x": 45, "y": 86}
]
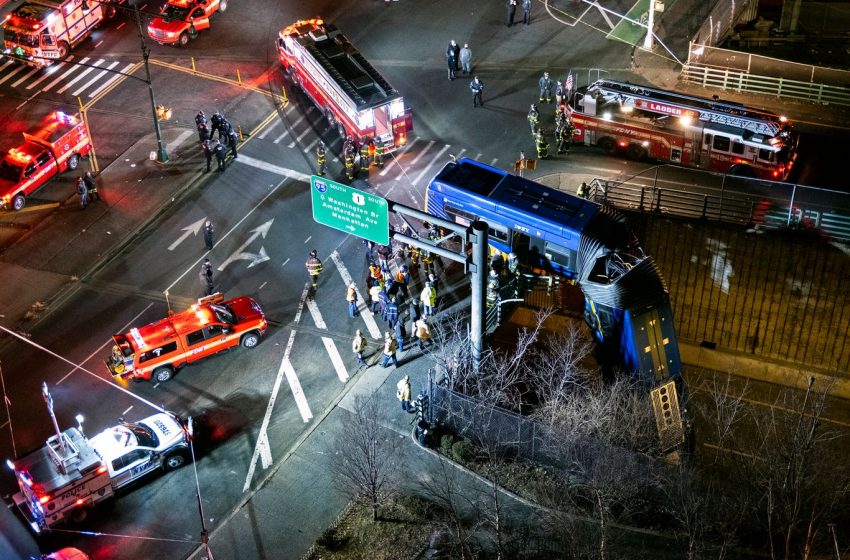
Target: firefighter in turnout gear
[
  {"x": 314, "y": 268},
  {"x": 321, "y": 158},
  {"x": 582, "y": 190},
  {"x": 533, "y": 118},
  {"x": 349, "y": 166},
  {"x": 563, "y": 138},
  {"x": 364, "y": 157},
  {"x": 379, "y": 153},
  {"x": 541, "y": 144},
  {"x": 545, "y": 85}
]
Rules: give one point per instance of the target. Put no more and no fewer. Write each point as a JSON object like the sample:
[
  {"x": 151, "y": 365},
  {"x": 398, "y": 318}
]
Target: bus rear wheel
[{"x": 607, "y": 144}]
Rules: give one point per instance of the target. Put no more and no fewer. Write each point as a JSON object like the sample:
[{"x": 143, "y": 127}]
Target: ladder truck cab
[
  {"x": 72, "y": 473},
  {"x": 348, "y": 90},
  {"x": 40, "y": 32},
  {"x": 711, "y": 134}
]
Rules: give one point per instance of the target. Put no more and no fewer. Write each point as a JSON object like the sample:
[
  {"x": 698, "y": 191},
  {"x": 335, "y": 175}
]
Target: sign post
[{"x": 350, "y": 210}]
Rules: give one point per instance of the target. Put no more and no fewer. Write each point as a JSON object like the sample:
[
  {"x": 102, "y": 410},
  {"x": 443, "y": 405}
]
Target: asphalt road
[{"x": 260, "y": 206}]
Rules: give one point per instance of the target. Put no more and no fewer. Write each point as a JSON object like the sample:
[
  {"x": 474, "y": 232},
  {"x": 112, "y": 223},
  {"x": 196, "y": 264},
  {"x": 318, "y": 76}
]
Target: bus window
[
  {"x": 561, "y": 256},
  {"x": 498, "y": 232},
  {"x": 721, "y": 143}
]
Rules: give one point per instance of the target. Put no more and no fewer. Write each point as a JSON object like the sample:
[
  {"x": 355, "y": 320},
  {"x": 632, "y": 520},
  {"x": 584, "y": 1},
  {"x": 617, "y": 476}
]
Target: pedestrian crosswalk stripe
[
  {"x": 80, "y": 76},
  {"x": 433, "y": 160},
  {"x": 50, "y": 71},
  {"x": 109, "y": 82},
  {"x": 91, "y": 82},
  {"x": 365, "y": 314},
  {"x": 24, "y": 77},
  {"x": 330, "y": 347},
  {"x": 49, "y": 86},
  {"x": 12, "y": 73}
]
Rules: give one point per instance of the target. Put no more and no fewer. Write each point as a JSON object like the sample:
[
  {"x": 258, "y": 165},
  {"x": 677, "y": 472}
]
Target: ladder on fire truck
[{"x": 719, "y": 112}]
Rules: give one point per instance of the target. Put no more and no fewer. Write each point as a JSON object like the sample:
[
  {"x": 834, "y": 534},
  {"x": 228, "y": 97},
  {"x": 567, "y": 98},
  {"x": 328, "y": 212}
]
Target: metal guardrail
[
  {"x": 796, "y": 211},
  {"x": 744, "y": 82}
]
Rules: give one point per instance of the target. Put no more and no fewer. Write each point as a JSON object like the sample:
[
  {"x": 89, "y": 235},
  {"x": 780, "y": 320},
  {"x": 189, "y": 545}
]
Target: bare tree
[
  {"x": 365, "y": 456},
  {"x": 724, "y": 409},
  {"x": 462, "y": 516}
]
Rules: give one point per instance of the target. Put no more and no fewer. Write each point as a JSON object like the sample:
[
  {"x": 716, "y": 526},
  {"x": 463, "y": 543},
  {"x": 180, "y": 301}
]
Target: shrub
[{"x": 463, "y": 451}]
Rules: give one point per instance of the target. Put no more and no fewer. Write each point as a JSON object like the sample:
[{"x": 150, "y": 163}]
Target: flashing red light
[
  {"x": 622, "y": 144},
  {"x": 101, "y": 469},
  {"x": 44, "y": 499},
  {"x": 776, "y": 173},
  {"x": 79, "y": 502}
]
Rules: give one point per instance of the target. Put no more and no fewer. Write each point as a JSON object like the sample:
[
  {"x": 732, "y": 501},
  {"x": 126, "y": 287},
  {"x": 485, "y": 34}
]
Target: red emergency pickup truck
[{"x": 56, "y": 144}]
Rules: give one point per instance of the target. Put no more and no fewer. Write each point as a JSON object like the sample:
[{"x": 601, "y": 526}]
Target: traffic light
[{"x": 163, "y": 113}]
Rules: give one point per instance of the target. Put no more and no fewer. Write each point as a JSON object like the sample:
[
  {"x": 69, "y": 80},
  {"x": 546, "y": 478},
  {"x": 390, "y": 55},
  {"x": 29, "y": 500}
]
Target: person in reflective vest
[
  {"x": 379, "y": 153},
  {"x": 564, "y": 138},
  {"x": 314, "y": 268},
  {"x": 349, "y": 166},
  {"x": 542, "y": 144},
  {"x": 321, "y": 158},
  {"x": 582, "y": 190},
  {"x": 364, "y": 157},
  {"x": 533, "y": 118}
]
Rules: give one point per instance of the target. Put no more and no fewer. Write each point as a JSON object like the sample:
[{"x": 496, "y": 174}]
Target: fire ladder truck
[
  {"x": 692, "y": 131},
  {"x": 348, "y": 90}
]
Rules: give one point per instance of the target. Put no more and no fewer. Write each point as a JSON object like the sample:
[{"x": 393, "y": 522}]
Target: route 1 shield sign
[{"x": 350, "y": 210}]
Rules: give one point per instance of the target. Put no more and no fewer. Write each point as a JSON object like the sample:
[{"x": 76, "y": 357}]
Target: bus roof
[
  {"x": 343, "y": 62},
  {"x": 518, "y": 198}
]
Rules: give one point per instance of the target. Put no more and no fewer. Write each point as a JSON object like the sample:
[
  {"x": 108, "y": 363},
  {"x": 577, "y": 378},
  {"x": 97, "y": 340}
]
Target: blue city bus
[{"x": 627, "y": 305}]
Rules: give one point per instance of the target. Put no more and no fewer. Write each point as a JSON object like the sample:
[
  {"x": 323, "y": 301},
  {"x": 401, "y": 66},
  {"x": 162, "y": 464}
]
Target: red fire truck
[
  {"x": 645, "y": 122},
  {"x": 353, "y": 96},
  {"x": 51, "y": 147}
]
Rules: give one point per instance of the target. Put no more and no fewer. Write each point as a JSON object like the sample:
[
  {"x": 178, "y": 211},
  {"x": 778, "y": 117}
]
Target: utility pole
[
  {"x": 478, "y": 234},
  {"x": 162, "y": 156}
]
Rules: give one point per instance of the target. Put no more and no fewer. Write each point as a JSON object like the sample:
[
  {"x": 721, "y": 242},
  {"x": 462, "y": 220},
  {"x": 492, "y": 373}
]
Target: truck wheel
[
  {"x": 183, "y": 40},
  {"x": 173, "y": 461},
  {"x": 742, "y": 171},
  {"x": 73, "y": 162},
  {"x": 63, "y": 50},
  {"x": 19, "y": 202},
  {"x": 222, "y": 6},
  {"x": 162, "y": 374},
  {"x": 636, "y": 152},
  {"x": 250, "y": 340},
  {"x": 607, "y": 144},
  {"x": 79, "y": 515}
]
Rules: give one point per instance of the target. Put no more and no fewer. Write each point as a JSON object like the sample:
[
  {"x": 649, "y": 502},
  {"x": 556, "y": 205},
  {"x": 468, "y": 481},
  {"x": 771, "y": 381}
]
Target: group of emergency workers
[
  {"x": 564, "y": 128},
  {"x": 227, "y": 138},
  {"x": 369, "y": 152}
]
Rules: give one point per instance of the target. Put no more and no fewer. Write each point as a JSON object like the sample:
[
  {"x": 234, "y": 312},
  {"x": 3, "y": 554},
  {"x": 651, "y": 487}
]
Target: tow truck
[
  {"x": 350, "y": 92},
  {"x": 39, "y": 32},
  {"x": 71, "y": 473},
  {"x": 212, "y": 325},
  {"x": 57, "y": 143},
  {"x": 181, "y": 20}
]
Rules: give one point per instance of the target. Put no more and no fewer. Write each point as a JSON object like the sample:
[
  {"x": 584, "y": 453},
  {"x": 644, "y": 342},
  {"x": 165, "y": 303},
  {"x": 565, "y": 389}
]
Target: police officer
[
  {"x": 203, "y": 133},
  {"x": 349, "y": 166},
  {"x": 200, "y": 119},
  {"x": 216, "y": 122},
  {"x": 541, "y": 144},
  {"x": 379, "y": 153},
  {"x": 208, "y": 153},
  {"x": 321, "y": 158},
  {"x": 234, "y": 140},
  {"x": 83, "y": 191},
  {"x": 477, "y": 87},
  {"x": 206, "y": 277},
  {"x": 533, "y": 117},
  {"x": 225, "y": 130},
  {"x": 220, "y": 154},
  {"x": 91, "y": 185},
  {"x": 545, "y": 85},
  {"x": 208, "y": 234},
  {"x": 314, "y": 268},
  {"x": 364, "y": 156}
]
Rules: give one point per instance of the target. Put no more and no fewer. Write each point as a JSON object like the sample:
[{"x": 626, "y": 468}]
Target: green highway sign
[{"x": 350, "y": 210}]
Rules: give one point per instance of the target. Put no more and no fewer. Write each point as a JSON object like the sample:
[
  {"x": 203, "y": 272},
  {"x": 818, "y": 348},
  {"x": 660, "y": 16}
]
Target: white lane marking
[
  {"x": 49, "y": 86},
  {"x": 172, "y": 146},
  {"x": 99, "y": 43},
  {"x": 460, "y": 153},
  {"x": 493, "y": 163},
  {"x": 396, "y": 157},
  {"x": 121, "y": 25},
  {"x": 308, "y": 239},
  {"x": 155, "y": 385},
  {"x": 311, "y": 145},
  {"x": 478, "y": 156},
  {"x": 24, "y": 77},
  {"x": 371, "y": 325},
  {"x": 13, "y": 72},
  {"x": 89, "y": 83},
  {"x": 82, "y": 75},
  {"x": 259, "y": 164},
  {"x": 268, "y": 129},
  {"x": 287, "y": 370},
  {"x": 336, "y": 359},
  {"x": 427, "y": 167},
  {"x": 298, "y": 138},
  {"x": 263, "y": 285},
  {"x": 284, "y": 262},
  {"x": 109, "y": 82},
  {"x": 128, "y": 410},
  {"x": 105, "y": 344},
  {"x": 50, "y": 71},
  {"x": 291, "y": 127}
]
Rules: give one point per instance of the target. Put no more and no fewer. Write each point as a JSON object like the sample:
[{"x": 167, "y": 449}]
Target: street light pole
[{"x": 162, "y": 156}]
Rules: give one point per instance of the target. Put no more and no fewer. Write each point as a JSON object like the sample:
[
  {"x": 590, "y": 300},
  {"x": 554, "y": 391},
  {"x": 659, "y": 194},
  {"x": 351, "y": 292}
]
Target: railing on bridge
[{"x": 728, "y": 199}]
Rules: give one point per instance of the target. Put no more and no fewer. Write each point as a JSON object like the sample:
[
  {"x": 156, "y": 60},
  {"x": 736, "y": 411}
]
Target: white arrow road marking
[
  {"x": 287, "y": 370},
  {"x": 255, "y": 258},
  {"x": 371, "y": 325},
  {"x": 191, "y": 229},
  {"x": 336, "y": 359},
  {"x": 259, "y": 164}
]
